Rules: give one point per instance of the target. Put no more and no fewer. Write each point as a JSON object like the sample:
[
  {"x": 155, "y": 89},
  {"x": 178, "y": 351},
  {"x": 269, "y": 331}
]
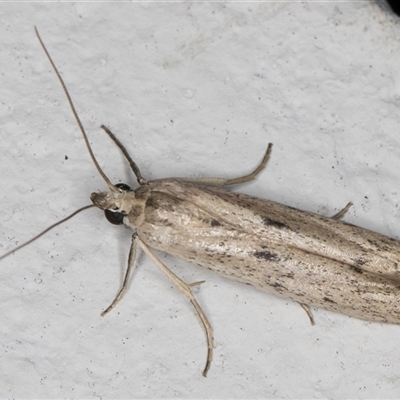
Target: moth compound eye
[
  {"x": 123, "y": 187},
  {"x": 115, "y": 218}
]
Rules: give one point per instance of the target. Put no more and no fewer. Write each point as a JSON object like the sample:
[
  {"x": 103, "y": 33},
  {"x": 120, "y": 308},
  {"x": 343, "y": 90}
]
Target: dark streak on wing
[
  {"x": 356, "y": 269},
  {"x": 327, "y": 299},
  {"x": 266, "y": 255},
  {"x": 277, "y": 224},
  {"x": 215, "y": 222}
]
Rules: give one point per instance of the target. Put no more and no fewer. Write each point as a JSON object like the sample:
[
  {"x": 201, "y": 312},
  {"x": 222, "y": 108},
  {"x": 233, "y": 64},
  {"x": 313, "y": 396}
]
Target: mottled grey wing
[
  {"x": 240, "y": 237},
  {"x": 358, "y": 247}
]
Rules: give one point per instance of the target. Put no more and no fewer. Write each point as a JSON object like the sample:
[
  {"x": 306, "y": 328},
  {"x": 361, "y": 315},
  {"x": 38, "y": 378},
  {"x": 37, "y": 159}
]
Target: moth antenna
[
  {"x": 71, "y": 104},
  {"x": 45, "y": 231}
]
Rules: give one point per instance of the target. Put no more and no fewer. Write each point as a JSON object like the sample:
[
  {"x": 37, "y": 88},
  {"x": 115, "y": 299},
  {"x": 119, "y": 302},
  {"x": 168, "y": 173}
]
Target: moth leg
[
  {"x": 196, "y": 283},
  {"x": 131, "y": 260},
  {"x": 342, "y": 212},
  {"x": 307, "y": 309},
  {"x": 133, "y": 165},
  {"x": 220, "y": 182},
  {"x": 186, "y": 290}
]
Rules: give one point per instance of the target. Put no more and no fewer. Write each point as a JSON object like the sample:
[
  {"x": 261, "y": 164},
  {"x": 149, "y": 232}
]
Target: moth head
[{"x": 116, "y": 204}]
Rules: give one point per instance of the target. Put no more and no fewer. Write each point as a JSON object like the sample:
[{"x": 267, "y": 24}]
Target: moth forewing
[{"x": 303, "y": 256}]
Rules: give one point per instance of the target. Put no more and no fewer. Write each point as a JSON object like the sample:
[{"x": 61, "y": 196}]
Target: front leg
[
  {"x": 185, "y": 289},
  {"x": 131, "y": 261}
]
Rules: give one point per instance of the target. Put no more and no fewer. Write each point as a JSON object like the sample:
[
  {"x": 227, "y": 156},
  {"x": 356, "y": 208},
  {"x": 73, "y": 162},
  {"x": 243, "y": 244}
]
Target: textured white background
[{"x": 191, "y": 89}]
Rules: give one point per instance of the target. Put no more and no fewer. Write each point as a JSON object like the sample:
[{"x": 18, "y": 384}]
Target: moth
[{"x": 311, "y": 259}]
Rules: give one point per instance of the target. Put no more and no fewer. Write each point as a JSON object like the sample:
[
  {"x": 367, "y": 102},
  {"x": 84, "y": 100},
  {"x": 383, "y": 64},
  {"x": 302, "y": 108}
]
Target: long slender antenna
[
  {"x": 71, "y": 104},
  {"x": 45, "y": 231}
]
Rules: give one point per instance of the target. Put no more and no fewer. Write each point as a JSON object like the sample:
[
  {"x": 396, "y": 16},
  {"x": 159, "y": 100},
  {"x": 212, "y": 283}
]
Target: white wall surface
[{"x": 192, "y": 89}]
